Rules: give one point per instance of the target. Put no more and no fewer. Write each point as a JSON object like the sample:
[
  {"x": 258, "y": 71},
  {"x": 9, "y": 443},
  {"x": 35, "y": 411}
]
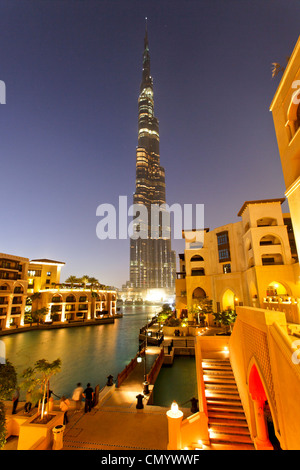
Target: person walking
[
  {"x": 28, "y": 403},
  {"x": 64, "y": 406},
  {"x": 15, "y": 400},
  {"x": 88, "y": 393},
  {"x": 77, "y": 397}
]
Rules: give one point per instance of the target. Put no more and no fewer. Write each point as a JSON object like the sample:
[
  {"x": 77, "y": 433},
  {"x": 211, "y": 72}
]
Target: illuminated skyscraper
[{"x": 152, "y": 261}]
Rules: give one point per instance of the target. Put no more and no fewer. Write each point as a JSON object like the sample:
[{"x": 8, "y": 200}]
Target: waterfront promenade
[{"x": 115, "y": 423}]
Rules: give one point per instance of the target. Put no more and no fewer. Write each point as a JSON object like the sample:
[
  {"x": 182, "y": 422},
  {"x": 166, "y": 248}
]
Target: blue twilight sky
[{"x": 68, "y": 130}]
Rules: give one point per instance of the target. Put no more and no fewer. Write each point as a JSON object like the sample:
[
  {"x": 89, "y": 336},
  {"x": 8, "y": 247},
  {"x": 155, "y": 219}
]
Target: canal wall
[{"x": 53, "y": 326}]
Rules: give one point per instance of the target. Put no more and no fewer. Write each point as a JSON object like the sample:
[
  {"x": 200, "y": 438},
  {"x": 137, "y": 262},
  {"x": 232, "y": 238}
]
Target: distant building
[
  {"x": 40, "y": 279},
  {"x": 43, "y": 274},
  {"x": 252, "y": 262},
  {"x": 75, "y": 304},
  {"x": 152, "y": 261},
  {"x": 13, "y": 289}
]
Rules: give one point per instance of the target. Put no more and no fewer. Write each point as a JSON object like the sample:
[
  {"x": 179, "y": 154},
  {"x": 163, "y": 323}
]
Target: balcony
[{"x": 181, "y": 275}]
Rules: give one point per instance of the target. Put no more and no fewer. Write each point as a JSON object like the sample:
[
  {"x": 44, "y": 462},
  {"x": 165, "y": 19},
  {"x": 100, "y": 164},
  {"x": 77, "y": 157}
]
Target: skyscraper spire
[
  {"x": 152, "y": 261},
  {"x": 146, "y": 34},
  {"x": 146, "y": 78}
]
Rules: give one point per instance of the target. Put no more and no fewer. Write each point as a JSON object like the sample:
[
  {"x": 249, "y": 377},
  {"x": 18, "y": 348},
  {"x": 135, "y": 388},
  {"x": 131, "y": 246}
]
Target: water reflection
[{"x": 88, "y": 354}]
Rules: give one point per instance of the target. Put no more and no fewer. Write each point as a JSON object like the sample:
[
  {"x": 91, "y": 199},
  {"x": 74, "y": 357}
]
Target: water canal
[{"x": 92, "y": 353}]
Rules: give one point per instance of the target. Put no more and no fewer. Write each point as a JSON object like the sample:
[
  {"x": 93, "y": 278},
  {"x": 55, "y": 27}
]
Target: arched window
[
  {"x": 271, "y": 259},
  {"x": 197, "y": 258},
  {"x": 71, "y": 298},
  {"x": 269, "y": 240},
  {"x": 199, "y": 293},
  {"x": 266, "y": 222},
  {"x": 18, "y": 289}
]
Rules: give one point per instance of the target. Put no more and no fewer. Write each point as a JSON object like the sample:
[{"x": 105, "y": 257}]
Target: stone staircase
[{"x": 228, "y": 427}]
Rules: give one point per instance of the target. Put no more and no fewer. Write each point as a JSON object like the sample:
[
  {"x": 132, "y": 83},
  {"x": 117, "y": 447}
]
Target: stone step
[
  {"x": 226, "y": 429},
  {"x": 230, "y": 446},
  {"x": 228, "y": 425},
  {"x": 230, "y": 438},
  {"x": 206, "y": 365},
  {"x": 228, "y": 422},
  {"x": 223, "y": 394},
  {"x": 226, "y": 360},
  {"x": 219, "y": 379},
  {"x": 218, "y": 374},
  {"x": 228, "y": 406},
  {"x": 226, "y": 415},
  {"x": 219, "y": 385}
]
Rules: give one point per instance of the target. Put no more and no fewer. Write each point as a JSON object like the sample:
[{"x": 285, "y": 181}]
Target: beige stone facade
[
  {"x": 43, "y": 274},
  {"x": 285, "y": 110},
  {"x": 252, "y": 262},
  {"x": 75, "y": 304},
  {"x": 13, "y": 289}
]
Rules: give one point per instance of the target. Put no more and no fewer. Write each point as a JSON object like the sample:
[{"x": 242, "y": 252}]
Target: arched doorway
[
  {"x": 265, "y": 435},
  {"x": 276, "y": 288},
  {"x": 199, "y": 293},
  {"x": 228, "y": 300}
]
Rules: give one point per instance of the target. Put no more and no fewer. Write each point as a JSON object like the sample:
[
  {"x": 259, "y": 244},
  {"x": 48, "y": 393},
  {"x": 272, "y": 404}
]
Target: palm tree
[
  {"x": 72, "y": 279},
  {"x": 85, "y": 280},
  {"x": 38, "y": 377},
  {"x": 93, "y": 282},
  {"x": 39, "y": 314}
]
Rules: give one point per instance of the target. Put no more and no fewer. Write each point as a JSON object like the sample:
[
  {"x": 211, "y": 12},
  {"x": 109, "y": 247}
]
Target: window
[
  {"x": 198, "y": 272},
  {"x": 224, "y": 254},
  {"x": 33, "y": 273},
  {"x": 49, "y": 273},
  {"x": 223, "y": 246},
  {"x": 222, "y": 239},
  {"x": 227, "y": 268}
]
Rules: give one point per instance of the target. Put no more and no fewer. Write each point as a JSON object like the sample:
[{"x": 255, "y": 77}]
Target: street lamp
[{"x": 146, "y": 383}]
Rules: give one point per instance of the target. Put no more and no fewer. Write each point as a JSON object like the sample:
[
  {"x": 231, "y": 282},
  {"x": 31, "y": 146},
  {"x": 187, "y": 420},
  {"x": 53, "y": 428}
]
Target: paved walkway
[{"x": 117, "y": 423}]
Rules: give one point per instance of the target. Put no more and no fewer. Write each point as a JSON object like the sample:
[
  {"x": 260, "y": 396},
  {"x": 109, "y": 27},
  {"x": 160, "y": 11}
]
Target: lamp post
[
  {"x": 146, "y": 383},
  {"x": 174, "y": 416}
]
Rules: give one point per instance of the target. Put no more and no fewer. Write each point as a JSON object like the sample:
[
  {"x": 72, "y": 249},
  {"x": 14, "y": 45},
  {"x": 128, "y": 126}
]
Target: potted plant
[
  {"x": 37, "y": 379},
  {"x": 225, "y": 318}
]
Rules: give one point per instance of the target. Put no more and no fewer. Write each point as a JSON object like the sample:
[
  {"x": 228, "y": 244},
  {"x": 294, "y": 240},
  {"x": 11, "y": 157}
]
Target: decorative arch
[
  {"x": 196, "y": 258},
  {"x": 262, "y": 402},
  {"x": 228, "y": 299},
  {"x": 7, "y": 287},
  {"x": 278, "y": 288},
  {"x": 270, "y": 239},
  {"x": 266, "y": 222},
  {"x": 18, "y": 288},
  {"x": 56, "y": 298},
  {"x": 70, "y": 298},
  {"x": 198, "y": 293}
]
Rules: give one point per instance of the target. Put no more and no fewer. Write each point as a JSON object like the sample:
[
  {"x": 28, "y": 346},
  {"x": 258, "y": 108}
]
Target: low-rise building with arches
[
  {"x": 13, "y": 289},
  {"x": 241, "y": 263}
]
